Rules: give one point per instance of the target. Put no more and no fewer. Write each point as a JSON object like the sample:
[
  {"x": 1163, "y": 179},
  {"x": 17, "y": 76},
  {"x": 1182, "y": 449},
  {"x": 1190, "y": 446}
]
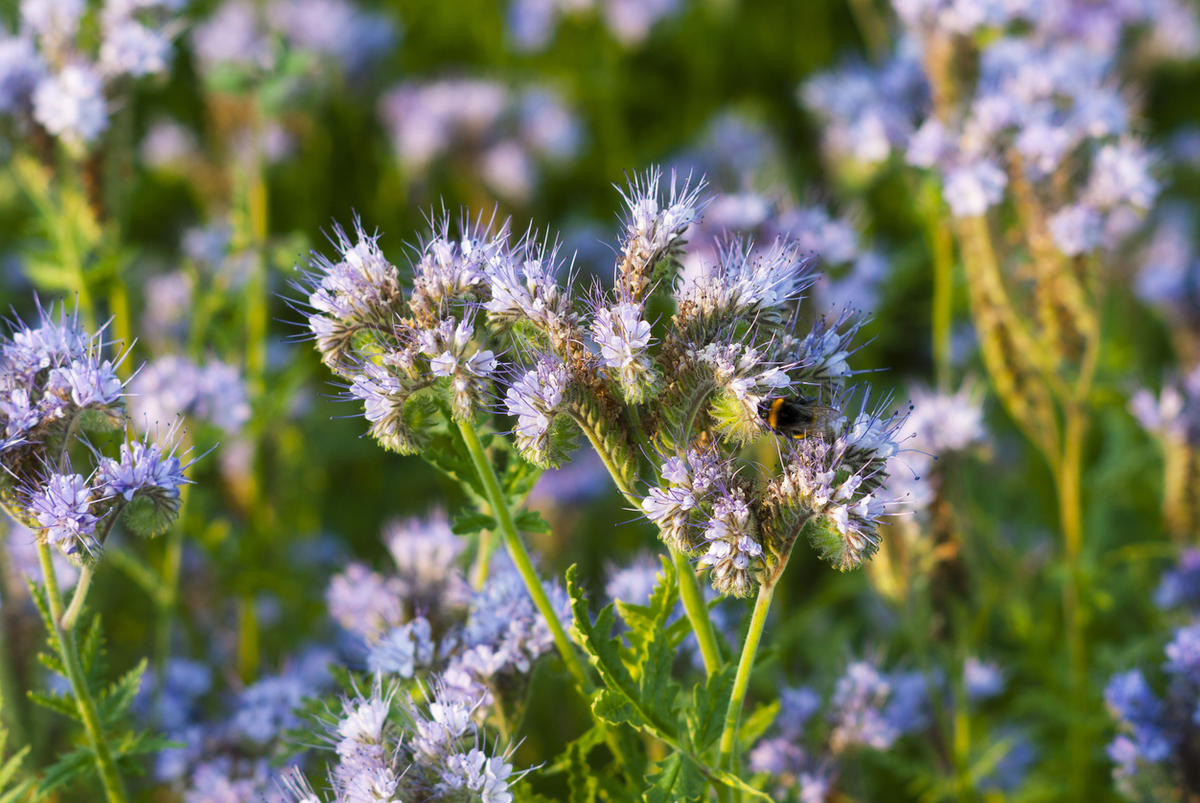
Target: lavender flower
[
  {"x": 71, "y": 105},
  {"x": 63, "y": 507},
  {"x": 1180, "y": 587},
  {"x": 983, "y": 680},
  {"x": 536, "y": 399},
  {"x": 623, "y": 336},
  {"x": 402, "y": 649},
  {"x": 689, "y": 481}
]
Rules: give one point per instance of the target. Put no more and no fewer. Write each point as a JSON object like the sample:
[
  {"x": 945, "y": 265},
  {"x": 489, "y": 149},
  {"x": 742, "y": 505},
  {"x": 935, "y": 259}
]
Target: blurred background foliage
[{"x": 262, "y": 542}]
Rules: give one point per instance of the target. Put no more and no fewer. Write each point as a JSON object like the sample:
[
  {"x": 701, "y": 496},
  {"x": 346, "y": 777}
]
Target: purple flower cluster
[
  {"x": 532, "y": 23},
  {"x": 1156, "y": 745},
  {"x": 505, "y": 134},
  {"x": 55, "y": 388},
  {"x": 489, "y": 317},
  {"x": 245, "y": 36},
  {"x": 174, "y": 387},
  {"x": 1045, "y": 111},
  {"x": 441, "y": 654},
  {"x": 227, "y": 757},
  {"x": 52, "y": 72}
]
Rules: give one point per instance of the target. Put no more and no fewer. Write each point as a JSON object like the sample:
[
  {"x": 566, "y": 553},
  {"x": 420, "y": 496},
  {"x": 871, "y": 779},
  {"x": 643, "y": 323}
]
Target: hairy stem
[
  {"x": 741, "y": 680},
  {"x": 114, "y": 788},
  {"x": 81, "y": 590},
  {"x": 520, "y": 555},
  {"x": 697, "y": 613}
]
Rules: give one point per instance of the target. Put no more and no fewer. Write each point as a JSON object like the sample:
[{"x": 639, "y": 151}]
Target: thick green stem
[
  {"x": 741, "y": 680},
  {"x": 520, "y": 555},
  {"x": 81, "y": 590},
  {"x": 697, "y": 613},
  {"x": 114, "y": 788}
]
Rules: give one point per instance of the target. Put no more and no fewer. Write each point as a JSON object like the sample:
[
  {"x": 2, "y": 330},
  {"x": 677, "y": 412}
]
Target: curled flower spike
[
  {"x": 734, "y": 552},
  {"x": 623, "y": 337},
  {"x": 450, "y": 270},
  {"x": 688, "y": 483},
  {"x": 148, "y": 480},
  {"x": 536, "y": 398},
  {"x": 742, "y": 282},
  {"x": 448, "y": 345},
  {"x": 656, "y": 219},
  {"x": 524, "y": 286},
  {"x": 383, "y": 397},
  {"x": 360, "y": 291}
]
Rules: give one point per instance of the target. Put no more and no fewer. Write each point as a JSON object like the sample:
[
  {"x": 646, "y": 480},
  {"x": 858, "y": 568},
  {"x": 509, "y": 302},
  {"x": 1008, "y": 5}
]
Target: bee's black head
[{"x": 764, "y": 407}]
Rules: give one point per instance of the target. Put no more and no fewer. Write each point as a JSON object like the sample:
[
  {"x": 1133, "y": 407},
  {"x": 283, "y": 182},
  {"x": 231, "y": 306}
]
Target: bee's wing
[{"x": 825, "y": 419}]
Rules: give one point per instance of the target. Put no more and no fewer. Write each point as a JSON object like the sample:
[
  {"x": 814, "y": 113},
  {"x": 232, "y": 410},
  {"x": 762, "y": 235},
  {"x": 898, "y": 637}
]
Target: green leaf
[
  {"x": 67, "y": 769},
  {"x": 706, "y": 716},
  {"x": 756, "y": 724},
  {"x": 531, "y": 521},
  {"x": 519, "y": 475},
  {"x": 580, "y": 779},
  {"x": 472, "y": 521},
  {"x": 39, "y": 601},
  {"x": 91, "y": 648},
  {"x": 646, "y": 622},
  {"x": 52, "y": 662},
  {"x": 60, "y": 703},
  {"x": 622, "y": 699},
  {"x": 676, "y": 779},
  {"x": 116, "y": 700}
]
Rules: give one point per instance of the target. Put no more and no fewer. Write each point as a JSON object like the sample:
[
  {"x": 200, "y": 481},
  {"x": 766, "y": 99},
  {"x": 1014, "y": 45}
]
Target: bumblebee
[{"x": 797, "y": 417}]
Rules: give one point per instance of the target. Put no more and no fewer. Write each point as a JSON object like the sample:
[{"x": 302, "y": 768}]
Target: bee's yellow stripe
[{"x": 773, "y": 413}]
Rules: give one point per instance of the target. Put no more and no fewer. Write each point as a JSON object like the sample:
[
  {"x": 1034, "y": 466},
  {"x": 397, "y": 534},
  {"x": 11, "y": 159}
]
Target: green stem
[
  {"x": 81, "y": 590},
  {"x": 520, "y": 555},
  {"x": 689, "y": 589},
  {"x": 697, "y": 613},
  {"x": 168, "y": 592},
  {"x": 114, "y": 788},
  {"x": 741, "y": 680}
]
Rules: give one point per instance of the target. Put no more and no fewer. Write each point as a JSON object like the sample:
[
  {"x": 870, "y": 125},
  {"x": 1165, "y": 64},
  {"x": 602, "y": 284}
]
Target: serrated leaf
[
  {"x": 90, "y": 648},
  {"x": 472, "y": 521},
  {"x": 39, "y": 602},
  {"x": 9, "y": 770},
  {"x": 116, "y": 700},
  {"x": 677, "y": 779},
  {"x": 52, "y": 662},
  {"x": 59, "y": 703},
  {"x": 756, "y": 724},
  {"x": 581, "y": 781},
  {"x": 706, "y": 716},
  {"x": 64, "y": 771},
  {"x": 621, "y": 701},
  {"x": 531, "y": 521},
  {"x": 618, "y": 709}
]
